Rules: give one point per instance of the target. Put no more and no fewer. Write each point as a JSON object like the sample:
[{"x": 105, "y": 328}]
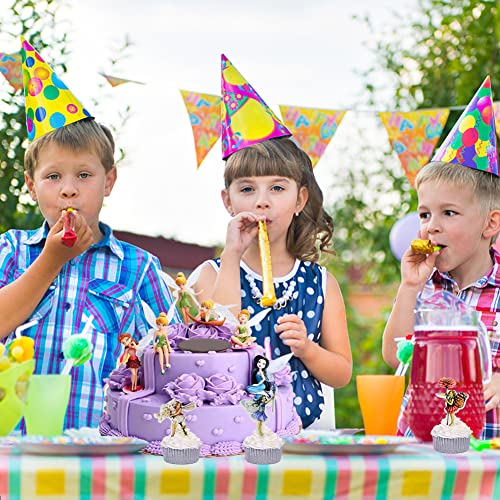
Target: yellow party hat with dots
[
  {"x": 49, "y": 103},
  {"x": 246, "y": 118}
]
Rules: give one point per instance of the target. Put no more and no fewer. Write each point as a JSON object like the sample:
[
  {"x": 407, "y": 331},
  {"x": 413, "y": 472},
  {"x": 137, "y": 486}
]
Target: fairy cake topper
[
  {"x": 472, "y": 141},
  {"x": 242, "y": 338},
  {"x": 173, "y": 410},
  {"x": 161, "y": 344},
  {"x": 49, "y": 103},
  {"x": 185, "y": 296},
  {"x": 130, "y": 359},
  {"x": 263, "y": 388},
  {"x": 454, "y": 400},
  {"x": 245, "y": 118}
]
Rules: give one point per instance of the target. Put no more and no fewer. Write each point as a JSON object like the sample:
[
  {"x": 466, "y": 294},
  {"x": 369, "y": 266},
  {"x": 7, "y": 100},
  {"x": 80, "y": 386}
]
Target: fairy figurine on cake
[
  {"x": 130, "y": 359},
  {"x": 242, "y": 337},
  {"x": 185, "y": 296},
  {"x": 161, "y": 344}
]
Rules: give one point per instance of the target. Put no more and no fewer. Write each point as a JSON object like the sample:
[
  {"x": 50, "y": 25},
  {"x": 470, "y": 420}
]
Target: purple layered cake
[{"x": 215, "y": 381}]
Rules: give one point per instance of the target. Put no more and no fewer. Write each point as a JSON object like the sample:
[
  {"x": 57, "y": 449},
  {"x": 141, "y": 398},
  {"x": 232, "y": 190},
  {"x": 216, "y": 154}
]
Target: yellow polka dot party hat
[
  {"x": 472, "y": 140},
  {"x": 246, "y": 118},
  {"x": 49, "y": 103}
]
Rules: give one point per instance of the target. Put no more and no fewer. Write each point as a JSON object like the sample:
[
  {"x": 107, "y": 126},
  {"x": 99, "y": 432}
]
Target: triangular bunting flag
[
  {"x": 10, "y": 68},
  {"x": 204, "y": 113},
  {"x": 114, "y": 81},
  {"x": 496, "y": 111},
  {"x": 312, "y": 128},
  {"x": 414, "y": 135}
]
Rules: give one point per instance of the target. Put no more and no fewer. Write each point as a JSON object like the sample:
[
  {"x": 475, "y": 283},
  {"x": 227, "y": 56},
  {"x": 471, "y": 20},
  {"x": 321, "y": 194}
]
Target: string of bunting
[{"x": 413, "y": 135}]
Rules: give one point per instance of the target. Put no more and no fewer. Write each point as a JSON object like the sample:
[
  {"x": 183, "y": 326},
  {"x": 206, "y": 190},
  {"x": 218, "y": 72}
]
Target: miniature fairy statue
[
  {"x": 208, "y": 315},
  {"x": 242, "y": 333},
  {"x": 173, "y": 410},
  {"x": 129, "y": 358},
  {"x": 185, "y": 301},
  {"x": 264, "y": 392},
  {"x": 454, "y": 400},
  {"x": 161, "y": 343}
]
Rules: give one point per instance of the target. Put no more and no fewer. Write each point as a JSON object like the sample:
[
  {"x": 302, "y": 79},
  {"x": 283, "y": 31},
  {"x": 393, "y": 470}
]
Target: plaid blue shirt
[{"x": 109, "y": 280}]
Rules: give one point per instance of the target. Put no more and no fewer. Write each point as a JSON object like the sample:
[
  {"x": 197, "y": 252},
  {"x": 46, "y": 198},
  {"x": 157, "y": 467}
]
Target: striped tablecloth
[{"x": 408, "y": 475}]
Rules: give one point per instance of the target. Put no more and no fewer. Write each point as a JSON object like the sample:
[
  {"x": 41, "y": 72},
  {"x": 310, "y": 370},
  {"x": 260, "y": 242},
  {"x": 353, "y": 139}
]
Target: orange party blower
[
  {"x": 268, "y": 294},
  {"x": 69, "y": 235}
]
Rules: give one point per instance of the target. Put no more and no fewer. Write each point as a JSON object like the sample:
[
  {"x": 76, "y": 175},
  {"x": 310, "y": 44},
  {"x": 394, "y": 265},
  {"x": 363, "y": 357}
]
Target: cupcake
[
  {"x": 181, "y": 449},
  {"x": 263, "y": 447},
  {"x": 182, "y": 446},
  {"x": 453, "y": 438},
  {"x": 451, "y": 435}
]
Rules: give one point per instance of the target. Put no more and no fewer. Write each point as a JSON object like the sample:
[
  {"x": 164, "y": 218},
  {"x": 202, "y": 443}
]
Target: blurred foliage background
[{"x": 437, "y": 55}]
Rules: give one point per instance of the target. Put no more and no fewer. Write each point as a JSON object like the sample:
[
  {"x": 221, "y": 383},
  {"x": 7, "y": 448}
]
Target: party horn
[
  {"x": 69, "y": 235},
  {"x": 268, "y": 298}
]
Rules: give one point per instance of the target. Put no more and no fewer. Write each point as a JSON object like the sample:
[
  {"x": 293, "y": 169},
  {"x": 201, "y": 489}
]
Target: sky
[{"x": 304, "y": 53}]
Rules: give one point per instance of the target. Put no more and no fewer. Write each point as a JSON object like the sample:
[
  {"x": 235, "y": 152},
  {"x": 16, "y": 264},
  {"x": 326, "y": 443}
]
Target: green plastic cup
[
  {"x": 46, "y": 404},
  {"x": 13, "y": 383}
]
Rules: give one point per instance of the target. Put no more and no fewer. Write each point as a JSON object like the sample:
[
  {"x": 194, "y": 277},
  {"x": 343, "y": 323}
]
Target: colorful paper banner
[
  {"x": 312, "y": 128},
  {"x": 414, "y": 135},
  {"x": 114, "y": 81},
  {"x": 10, "y": 68},
  {"x": 204, "y": 113},
  {"x": 496, "y": 112}
]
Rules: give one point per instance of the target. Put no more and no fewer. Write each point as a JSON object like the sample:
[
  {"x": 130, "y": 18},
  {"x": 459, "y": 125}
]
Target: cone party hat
[
  {"x": 246, "y": 118},
  {"x": 49, "y": 103},
  {"x": 472, "y": 141}
]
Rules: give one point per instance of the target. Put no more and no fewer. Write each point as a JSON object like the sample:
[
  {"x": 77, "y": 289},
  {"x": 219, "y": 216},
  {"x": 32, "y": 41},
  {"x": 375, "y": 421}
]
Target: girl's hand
[
  {"x": 61, "y": 253},
  {"x": 293, "y": 333},
  {"x": 241, "y": 231},
  {"x": 491, "y": 392}
]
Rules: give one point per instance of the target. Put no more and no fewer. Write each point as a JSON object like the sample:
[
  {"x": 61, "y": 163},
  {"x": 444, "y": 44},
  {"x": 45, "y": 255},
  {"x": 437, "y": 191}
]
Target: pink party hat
[
  {"x": 246, "y": 118},
  {"x": 472, "y": 141},
  {"x": 49, "y": 103}
]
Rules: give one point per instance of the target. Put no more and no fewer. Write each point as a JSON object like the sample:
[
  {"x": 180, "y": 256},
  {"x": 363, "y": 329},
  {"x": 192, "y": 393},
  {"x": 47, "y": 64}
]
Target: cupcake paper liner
[
  {"x": 451, "y": 445},
  {"x": 181, "y": 456},
  {"x": 262, "y": 456}
]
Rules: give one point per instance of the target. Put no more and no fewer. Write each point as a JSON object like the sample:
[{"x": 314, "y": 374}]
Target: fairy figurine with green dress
[
  {"x": 161, "y": 343},
  {"x": 186, "y": 303}
]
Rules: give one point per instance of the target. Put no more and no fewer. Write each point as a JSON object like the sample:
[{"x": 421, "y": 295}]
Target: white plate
[
  {"x": 65, "y": 445},
  {"x": 330, "y": 443}
]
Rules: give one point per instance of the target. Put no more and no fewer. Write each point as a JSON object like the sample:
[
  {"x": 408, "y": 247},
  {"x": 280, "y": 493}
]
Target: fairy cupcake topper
[
  {"x": 454, "y": 400},
  {"x": 174, "y": 410},
  {"x": 263, "y": 388}
]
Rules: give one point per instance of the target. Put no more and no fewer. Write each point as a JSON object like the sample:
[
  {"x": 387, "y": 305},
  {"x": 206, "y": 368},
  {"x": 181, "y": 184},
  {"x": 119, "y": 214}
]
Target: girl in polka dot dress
[{"x": 274, "y": 181}]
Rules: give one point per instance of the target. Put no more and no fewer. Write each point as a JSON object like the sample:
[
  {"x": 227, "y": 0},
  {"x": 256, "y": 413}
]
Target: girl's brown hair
[{"x": 311, "y": 232}]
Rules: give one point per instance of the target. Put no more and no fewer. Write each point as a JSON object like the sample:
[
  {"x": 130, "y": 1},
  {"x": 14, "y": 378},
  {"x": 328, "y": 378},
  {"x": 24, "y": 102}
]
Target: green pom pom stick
[
  {"x": 77, "y": 349},
  {"x": 404, "y": 354}
]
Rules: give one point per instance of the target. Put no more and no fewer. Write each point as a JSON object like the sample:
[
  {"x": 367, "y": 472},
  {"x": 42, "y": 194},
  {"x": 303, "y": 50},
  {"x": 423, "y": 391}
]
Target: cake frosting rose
[{"x": 214, "y": 381}]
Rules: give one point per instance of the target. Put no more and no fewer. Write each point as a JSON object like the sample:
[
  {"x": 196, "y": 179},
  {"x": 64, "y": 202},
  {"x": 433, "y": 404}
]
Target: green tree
[
  {"x": 41, "y": 22},
  {"x": 435, "y": 56},
  {"x": 20, "y": 18}
]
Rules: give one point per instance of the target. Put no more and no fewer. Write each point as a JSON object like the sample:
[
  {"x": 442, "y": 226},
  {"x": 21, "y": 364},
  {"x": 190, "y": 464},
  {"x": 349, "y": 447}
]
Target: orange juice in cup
[{"x": 380, "y": 398}]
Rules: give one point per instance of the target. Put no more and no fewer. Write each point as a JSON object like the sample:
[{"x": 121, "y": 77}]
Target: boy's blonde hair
[
  {"x": 311, "y": 231},
  {"x": 485, "y": 186},
  {"x": 84, "y": 135}
]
